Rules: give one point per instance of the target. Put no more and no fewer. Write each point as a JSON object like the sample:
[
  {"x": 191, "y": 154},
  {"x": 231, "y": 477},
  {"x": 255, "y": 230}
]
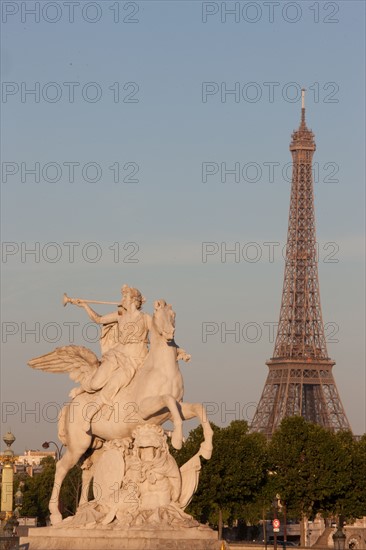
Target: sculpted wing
[{"x": 77, "y": 361}]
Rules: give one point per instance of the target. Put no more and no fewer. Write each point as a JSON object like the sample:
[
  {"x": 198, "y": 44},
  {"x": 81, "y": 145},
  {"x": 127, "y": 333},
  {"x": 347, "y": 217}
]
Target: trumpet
[{"x": 67, "y": 300}]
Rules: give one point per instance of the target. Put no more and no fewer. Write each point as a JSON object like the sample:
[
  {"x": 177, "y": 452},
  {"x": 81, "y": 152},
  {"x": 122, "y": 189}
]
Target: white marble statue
[{"x": 115, "y": 417}]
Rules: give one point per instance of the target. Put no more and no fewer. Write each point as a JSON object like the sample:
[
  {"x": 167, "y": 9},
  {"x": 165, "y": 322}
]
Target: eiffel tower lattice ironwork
[{"x": 300, "y": 379}]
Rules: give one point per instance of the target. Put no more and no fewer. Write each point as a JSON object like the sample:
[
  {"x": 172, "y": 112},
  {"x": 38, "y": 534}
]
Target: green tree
[
  {"x": 348, "y": 464},
  {"x": 37, "y": 491},
  {"x": 317, "y": 470}
]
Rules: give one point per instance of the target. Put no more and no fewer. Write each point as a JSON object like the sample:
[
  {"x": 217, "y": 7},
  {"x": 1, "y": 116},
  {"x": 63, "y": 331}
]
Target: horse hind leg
[
  {"x": 197, "y": 410},
  {"x": 88, "y": 468},
  {"x": 86, "y": 477},
  {"x": 63, "y": 466},
  {"x": 152, "y": 406}
]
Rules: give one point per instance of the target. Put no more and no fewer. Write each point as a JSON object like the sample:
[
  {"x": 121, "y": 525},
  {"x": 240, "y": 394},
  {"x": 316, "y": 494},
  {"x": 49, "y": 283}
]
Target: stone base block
[{"x": 51, "y": 538}]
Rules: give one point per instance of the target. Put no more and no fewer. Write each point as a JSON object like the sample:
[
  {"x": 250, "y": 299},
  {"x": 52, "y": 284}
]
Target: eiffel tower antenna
[{"x": 300, "y": 379}]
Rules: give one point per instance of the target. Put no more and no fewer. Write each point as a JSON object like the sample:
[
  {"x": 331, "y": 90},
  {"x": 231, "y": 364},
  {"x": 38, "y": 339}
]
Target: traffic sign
[
  {"x": 276, "y": 529},
  {"x": 276, "y": 523}
]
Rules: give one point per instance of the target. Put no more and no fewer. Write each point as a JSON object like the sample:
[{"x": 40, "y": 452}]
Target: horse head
[{"x": 164, "y": 319}]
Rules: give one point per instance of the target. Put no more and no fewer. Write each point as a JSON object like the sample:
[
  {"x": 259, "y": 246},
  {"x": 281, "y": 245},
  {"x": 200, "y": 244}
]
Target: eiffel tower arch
[{"x": 300, "y": 379}]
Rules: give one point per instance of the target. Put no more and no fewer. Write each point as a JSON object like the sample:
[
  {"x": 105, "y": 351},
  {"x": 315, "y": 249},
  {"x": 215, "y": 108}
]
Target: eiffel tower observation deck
[{"x": 300, "y": 381}]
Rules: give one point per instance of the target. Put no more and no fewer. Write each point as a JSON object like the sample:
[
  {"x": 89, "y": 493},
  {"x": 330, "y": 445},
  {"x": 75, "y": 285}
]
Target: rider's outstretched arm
[{"x": 100, "y": 319}]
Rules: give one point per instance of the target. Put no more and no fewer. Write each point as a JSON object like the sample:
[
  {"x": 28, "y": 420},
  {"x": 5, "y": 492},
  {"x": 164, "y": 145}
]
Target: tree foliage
[
  {"x": 314, "y": 470},
  {"x": 317, "y": 471}
]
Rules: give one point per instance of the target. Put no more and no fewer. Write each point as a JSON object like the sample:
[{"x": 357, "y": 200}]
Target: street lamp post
[
  {"x": 264, "y": 528},
  {"x": 276, "y": 507},
  {"x": 339, "y": 538},
  {"x": 46, "y": 445}
]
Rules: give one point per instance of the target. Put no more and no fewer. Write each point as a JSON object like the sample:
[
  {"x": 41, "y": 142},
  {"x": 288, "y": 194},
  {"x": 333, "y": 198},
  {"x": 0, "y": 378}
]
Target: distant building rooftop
[{"x": 33, "y": 457}]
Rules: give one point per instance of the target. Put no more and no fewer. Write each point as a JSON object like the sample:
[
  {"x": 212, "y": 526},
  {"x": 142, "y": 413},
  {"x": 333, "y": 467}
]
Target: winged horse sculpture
[{"x": 154, "y": 396}]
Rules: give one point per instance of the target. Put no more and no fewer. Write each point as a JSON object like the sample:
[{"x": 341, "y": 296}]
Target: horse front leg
[
  {"x": 63, "y": 466},
  {"x": 197, "y": 410},
  {"x": 152, "y": 406}
]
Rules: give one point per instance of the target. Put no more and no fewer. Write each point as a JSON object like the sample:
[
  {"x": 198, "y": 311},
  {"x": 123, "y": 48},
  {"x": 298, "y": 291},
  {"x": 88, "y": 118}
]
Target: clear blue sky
[{"x": 161, "y": 130}]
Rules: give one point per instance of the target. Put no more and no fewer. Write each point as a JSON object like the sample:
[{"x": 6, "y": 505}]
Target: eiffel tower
[{"x": 300, "y": 380}]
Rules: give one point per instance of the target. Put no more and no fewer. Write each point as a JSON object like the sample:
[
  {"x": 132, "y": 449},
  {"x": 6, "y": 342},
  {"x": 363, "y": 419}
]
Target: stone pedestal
[{"x": 50, "y": 538}]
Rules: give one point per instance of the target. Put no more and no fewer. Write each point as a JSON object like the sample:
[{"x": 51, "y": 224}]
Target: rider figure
[{"x": 124, "y": 344}]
